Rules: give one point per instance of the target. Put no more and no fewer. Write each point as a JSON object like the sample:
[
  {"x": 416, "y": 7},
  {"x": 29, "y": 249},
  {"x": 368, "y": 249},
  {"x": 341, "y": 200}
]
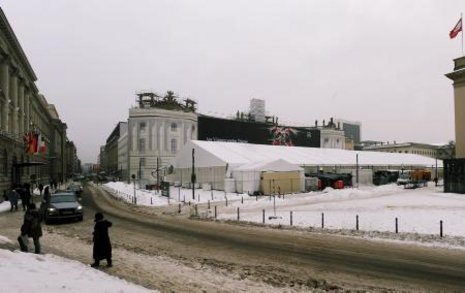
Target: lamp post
[
  {"x": 193, "y": 174},
  {"x": 158, "y": 175},
  {"x": 133, "y": 176}
]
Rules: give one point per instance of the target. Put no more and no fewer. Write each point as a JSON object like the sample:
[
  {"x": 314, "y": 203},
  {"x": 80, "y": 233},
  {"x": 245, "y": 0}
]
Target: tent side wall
[
  {"x": 211, "y": 175},
  {"x": 281, "y": 182},
  {"x": 247, "y": 181}
]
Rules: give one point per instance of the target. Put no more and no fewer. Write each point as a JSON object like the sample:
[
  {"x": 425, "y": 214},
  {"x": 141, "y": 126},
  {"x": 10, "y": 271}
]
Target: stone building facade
[{"x": 23, "y": 109}]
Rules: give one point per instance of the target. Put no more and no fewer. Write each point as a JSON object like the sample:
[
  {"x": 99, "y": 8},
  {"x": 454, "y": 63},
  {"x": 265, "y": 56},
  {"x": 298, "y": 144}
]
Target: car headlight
[
  {"x": 51, "y": 209},
  {"x": 79, "y": 208}
]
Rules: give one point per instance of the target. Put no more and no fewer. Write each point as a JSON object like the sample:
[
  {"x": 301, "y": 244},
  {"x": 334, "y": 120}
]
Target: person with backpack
[
  {"x": 32, "y": 226},
  {"x": 101, "y": 239}
]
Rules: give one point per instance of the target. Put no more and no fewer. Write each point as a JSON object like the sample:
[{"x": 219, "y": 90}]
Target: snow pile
[{"x": 27, "y": 272}]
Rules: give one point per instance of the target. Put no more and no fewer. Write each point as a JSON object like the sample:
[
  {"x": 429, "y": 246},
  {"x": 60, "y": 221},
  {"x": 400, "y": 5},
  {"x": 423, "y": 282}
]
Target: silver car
[{"x": 63, "y": 205}]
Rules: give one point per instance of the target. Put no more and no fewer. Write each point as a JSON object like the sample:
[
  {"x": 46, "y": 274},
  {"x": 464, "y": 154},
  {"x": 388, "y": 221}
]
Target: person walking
[
  {"x": 13, "y": 198},
  {"x": 101, "y": 239},
  {"x": 32, "y": 226},
  {"x": 41, "y": 187}
]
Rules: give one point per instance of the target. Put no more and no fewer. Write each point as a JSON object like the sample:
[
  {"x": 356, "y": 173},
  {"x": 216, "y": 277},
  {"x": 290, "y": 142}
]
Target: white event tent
[{"x": 216, "y": 160}]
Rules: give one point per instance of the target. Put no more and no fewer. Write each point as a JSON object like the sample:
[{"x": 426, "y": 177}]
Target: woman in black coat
[{"x": 102, "y": 244}]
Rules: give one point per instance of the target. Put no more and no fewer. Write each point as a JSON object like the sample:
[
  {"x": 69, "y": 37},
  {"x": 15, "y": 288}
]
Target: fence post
[
  {"x": 226, "y": 200},
  {"x": 242, "y": 200},
  {"x": 196, "y": 211},
  {"x": 212, "y": 194},
  {"x": 263, "y": 212},
  {"x": 291, "y": 218},
  {"x": 356, "y": 222},
  {"x": 322, "y": 220},
  {"x": 215, "y": 213},
  {"x": 208, "y": 204},
  {"x": 151, "y": 202},
  {"x": 179, "y": 208},
  {"x": 440, "y": 228},
  {"x": 397, "y": 226},
  {"x": 238, "y": 213}
]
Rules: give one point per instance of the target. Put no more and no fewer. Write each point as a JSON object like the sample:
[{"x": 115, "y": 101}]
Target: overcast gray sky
[{"x": 381, "y": 63}]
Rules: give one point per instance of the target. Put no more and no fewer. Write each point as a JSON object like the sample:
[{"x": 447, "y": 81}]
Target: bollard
[
  {"x": 397, "y": 226},
  {"x": 242, "y": 200},
  {"x": 226, "y": 199},
  {"x": 208, "y": 204},
  {"x": 356, "y": 222},
  {"x": 263, "y": 212},
  {"x": 151, "y": 201},
  {"x": 440, "y": 228},
  {"x": 238, "y": 214},
  {"x": 196, "y": 211},
  {"x": 215, "y": 213},
  {"x": 322, "y": 220},
  {"x": 179, "y": 208},
  {"x": 256, "y": 198},
  {"x": 189, "y": 203},
  {"x": 212, "y": 194},
  {"x": 291, "y": 218}
]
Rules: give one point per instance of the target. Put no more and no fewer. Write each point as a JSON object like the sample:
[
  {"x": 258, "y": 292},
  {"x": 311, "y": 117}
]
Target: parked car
[{"x": 62, "y": 205}]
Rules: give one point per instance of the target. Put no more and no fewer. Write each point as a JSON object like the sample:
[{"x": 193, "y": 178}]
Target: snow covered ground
[
  {"x": 419, "y": 213},
  {"x": 27, "y": 272}
]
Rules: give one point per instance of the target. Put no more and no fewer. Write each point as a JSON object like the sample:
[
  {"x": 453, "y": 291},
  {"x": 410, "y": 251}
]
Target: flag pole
[{"x": 461, "y": 22}]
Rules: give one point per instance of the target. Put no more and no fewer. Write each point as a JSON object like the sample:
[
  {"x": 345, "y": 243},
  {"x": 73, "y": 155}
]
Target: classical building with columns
[
  {"x": 143, "y": 148},
  {"x": 24, "y": 109},
  {"x": 454, "y": 169}
]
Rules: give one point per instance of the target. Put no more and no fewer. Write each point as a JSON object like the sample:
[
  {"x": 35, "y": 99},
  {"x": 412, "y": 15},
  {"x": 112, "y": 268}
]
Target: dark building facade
[{"x": 220, "y": 129}]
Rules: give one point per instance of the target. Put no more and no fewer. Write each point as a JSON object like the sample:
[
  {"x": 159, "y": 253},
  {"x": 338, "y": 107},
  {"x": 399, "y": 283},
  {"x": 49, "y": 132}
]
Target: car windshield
[{"x": 63, "y": 198}]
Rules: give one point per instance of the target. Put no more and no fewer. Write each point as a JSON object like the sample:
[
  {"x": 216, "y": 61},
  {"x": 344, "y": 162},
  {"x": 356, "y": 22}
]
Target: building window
[
  {"x": 174, "y": 126},
  {"x": 142, "y": 127},
  {"x": 141, "y": 145},
  {"x": 174, "y": 145}
]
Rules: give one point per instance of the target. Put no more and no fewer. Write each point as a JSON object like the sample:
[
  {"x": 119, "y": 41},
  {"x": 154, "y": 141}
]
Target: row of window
[
  {"x": 174, "y": 145},
  {"x": 174, "y": 127}
]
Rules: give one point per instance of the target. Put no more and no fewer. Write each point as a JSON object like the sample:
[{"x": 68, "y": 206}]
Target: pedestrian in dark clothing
[
  {"x": 46, "y": 198},
  {"x": 102, "y": 244},
  {"x": 41, "y": 187},
  {"x": 32, "y": 226},
  {"x": 25, "y": 196},
  {"x": 13, "y": 198}
]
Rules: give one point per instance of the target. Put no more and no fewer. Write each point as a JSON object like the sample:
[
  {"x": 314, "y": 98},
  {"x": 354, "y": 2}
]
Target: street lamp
[
  {"x": 193, "y": 174},
  {"x": 133, "y": 176}
]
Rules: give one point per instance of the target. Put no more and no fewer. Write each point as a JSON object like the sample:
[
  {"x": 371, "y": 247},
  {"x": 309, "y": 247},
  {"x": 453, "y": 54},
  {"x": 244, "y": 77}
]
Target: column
[
  {"x": 5, "y": 85},
  {"x": 27, "y": 107},
  {"x": 21, "y": 112},
  {"x": 14, "y": 103}
]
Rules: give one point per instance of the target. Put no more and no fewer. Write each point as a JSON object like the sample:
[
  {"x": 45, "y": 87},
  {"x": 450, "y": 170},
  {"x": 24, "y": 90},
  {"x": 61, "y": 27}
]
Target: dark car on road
[
  {"x": 61, "y": 206},
  {"x": 75, "y": 188}
]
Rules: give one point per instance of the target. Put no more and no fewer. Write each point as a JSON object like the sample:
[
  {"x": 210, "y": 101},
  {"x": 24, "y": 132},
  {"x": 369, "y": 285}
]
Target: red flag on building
[{"x": 457, "y": 28}]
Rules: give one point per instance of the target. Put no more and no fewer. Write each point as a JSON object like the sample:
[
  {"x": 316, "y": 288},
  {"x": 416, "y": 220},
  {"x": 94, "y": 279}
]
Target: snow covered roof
[
  {"x": 216, "y": 153},
  {"x": 270, "y": 165}
]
